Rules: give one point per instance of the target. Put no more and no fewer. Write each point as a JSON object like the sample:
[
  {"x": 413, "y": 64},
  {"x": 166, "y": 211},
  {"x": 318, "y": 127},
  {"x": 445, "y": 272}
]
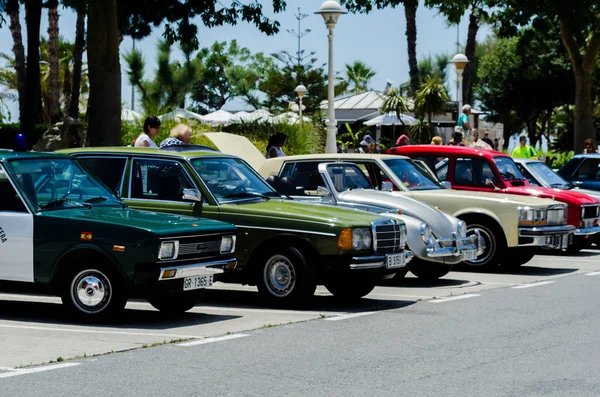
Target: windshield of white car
[
  {"x": 549, "y": 177},
  {"x": 52, "y": 184},
  {"x": 232, "y": 180},
  {"x": 411, "y": 176},
  {"x": 508, "y": 169}
]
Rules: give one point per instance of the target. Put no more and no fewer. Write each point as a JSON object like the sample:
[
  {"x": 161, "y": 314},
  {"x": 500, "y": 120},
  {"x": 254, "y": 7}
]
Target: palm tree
[
  {"x": 73, "y": 109},
  {"x": 358, "y": 76},
  {"x": 394, "y": 102},
  {"x": 54, "y": 94},
  {"x": 431, "y": 98},
  {"x": 410, "y": 12},
  {"x": 12, "y": 9},
  {"x": 33, "y": 100}
]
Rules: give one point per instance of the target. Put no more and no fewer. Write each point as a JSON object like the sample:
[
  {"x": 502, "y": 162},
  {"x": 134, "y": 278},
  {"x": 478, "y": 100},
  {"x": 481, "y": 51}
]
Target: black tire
[
  {"x": 176, "y": 303},
  {"x": 495, "y": 244},
  {"x": 429, "y": 271},
  {"x": 400, "y": 274},
  {"x": 92, "y": 292},
  {"x": 350, "y": 288},
  {"x": 578, "y": 245},
  {"x": 284, "y": 278},
  {"x": 518, "y": 256}
]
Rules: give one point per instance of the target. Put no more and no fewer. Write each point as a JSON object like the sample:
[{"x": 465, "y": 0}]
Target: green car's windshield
[
  {"x": 59, "y": 183},
  {"x": 411, "y": 175},
  {"x": 231, "y": 179}
]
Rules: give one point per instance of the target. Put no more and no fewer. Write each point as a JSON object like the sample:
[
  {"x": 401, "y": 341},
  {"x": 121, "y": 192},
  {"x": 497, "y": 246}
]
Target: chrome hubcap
[
  {"x": 486, "y": 247},
  {"x": 91, "y": 291},
  {"x": 279, "y": 275}
]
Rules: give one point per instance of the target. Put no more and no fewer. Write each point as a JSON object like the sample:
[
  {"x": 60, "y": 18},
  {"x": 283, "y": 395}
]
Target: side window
[
  {"x": 473, "y": 172},
  {"x": 158, "y": 180},
  {"x": 9, "y": 198},
  {"x": 440, "y": 165},
  {"x": 589, "y": 170},
  {"x": 288, "y": 170},
  {"x": 306, "y": 175},
  {"x": 463, "y": 172},
  {"x": 109, "y": 170}
]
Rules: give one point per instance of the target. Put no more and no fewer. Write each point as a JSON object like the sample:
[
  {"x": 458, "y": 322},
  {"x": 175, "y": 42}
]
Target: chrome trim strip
[
  {"x": 287, "y": 230},
  {"x": 587, "y": 231},
  {"x": 197, "y": 269},
  {"x": 378, "y": 261},
  {"x": 545, "y": 230},
  {"x": 197, "y": 235}
]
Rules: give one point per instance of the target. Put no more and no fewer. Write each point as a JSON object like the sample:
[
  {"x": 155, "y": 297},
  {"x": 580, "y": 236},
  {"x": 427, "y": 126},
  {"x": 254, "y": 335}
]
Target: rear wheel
[
  {"x": 494, "y": 244},
  {"x": 176, "y": 303},
  {"x": 284, "y": 277},
  {"x": 515, "y": 257},
  {"x": 350, "y": 288},
  {"x": 429, "y": 271},
  {"x": 92, "y": 291}
]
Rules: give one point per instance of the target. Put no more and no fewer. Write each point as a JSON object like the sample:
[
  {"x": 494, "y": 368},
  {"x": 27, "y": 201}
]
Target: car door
[
  {"x": 587, "y": 175},
  {"x": 16, "y": 233},
  {"x": 473, "y": 174}
]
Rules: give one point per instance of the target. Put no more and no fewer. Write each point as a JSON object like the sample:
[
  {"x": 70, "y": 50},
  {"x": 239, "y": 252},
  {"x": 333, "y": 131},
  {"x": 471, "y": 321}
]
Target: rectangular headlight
[
  {"x": 168, "y": 250},
  {"x": 526, "y": 216},
  {"x": 227, "y": 244}
]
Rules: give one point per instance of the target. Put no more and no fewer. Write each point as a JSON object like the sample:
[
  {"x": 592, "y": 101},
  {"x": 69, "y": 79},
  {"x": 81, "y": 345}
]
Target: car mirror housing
[
  {"x": 446, "y": 184},
  {"x": 389, "y": 186},
  {"x": 192, "y": 195},
  {"x": 323, "y": 191}
]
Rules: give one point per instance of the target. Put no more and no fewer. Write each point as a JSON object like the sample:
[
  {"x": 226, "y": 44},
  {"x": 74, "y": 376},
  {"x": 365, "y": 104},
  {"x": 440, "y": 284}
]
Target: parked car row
[{"x": 98, "y": 226}]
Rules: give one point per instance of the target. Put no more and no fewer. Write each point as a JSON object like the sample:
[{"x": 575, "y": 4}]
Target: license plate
[
  {"x": 395, "y": 260},
  {"x": 197, "y": 282},
  {"x": 469, "y": 255}
]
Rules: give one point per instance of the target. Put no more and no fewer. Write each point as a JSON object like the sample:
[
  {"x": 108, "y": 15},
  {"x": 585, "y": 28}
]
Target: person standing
[
  {"x": 458, "y": 139},
  {"x": 179, "y": 135},
  {"x": 486, "y": 139},
  {"x": 463, "y": 120},
  {"x": 274, "y": 146},
  {"x": 524, "y": 151},
  {"x": 403, "y": 140},
  {"x": 589, "y": 147},
  {"x": 151, "y": 129},
  {"x": 436, "y": 140}
]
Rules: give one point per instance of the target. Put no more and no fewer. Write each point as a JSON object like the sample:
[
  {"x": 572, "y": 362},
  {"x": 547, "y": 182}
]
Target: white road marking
[
  {"x": 211, "y": 340},
  {"x": 592, "y": 274},
  {"x": 37, "y": 369},
  {"x": 454, "y": 298},
  {"x": 7, "y": 369},
  {"x": 347, "y": 316},
  {"x": 533, "y": 284},
  {"x": 566, "y": 259},
  {"x": 93, "y": 331}
]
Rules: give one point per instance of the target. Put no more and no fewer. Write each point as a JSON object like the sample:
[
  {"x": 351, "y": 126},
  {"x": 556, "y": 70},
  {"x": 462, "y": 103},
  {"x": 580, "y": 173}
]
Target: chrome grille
[
  {"x": 556, "y": 216},
  {"x": 590, "y": 211},
  {"x": 388, "y": 236},
  {"x": 197, "y": 247}
]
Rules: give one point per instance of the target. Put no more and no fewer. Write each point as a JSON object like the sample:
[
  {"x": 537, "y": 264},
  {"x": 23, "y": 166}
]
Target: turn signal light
[
  {"x": 169, "y": 273},
  {"x": 345, "y": 239},
  {"x": 231, "y": 265}
]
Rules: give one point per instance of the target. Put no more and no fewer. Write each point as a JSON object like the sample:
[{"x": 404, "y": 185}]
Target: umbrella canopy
[
  {"x": 391, "y": 119},
  {"x": 260, "y": 115},
  {"x": 130, "y": 115},
  {"x": 289, "y": 117},
  {"x": 240, "y": 117},
  {"x": 220, "y": 117},
  {"x": 179, "y": 114}
]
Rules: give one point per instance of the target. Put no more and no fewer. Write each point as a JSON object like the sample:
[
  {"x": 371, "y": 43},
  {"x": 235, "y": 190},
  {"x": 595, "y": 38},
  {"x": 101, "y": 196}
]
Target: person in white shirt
[
  {"x": 151, "y": 129},
  {"x": 275, "y": 144}
]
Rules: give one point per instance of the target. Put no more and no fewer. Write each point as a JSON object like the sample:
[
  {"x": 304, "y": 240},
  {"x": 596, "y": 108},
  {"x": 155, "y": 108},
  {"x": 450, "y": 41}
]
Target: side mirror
[
  {"x": 192, "y": 195},
  {"x": 389, "y": 186},
  {"x": 323, "y": 191},
  {"x": 489, "y": 183},
  {"x": 446, "y": 184}
]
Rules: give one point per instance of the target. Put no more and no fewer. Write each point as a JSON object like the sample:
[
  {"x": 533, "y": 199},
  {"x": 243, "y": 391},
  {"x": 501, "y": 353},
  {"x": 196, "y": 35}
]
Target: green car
[
  {"x": 62, "y": 232},
  {"x": 285, "y": 248}
]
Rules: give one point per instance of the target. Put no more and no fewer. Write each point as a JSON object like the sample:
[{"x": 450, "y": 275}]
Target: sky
[{"x": 377, "y": 39}]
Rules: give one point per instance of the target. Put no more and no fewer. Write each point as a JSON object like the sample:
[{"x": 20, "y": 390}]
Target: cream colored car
[{"x": 513, "y": 227}]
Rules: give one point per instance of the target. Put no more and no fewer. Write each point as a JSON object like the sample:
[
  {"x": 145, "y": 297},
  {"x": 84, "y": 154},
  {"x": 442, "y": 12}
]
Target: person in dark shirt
[{"x": 486, "y": 139}]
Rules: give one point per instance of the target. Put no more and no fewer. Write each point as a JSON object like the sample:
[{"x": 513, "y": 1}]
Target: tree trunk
[
  {"x": 104, "y": 106},
  {"x": 470, "y": 53},
  {"x": 73, "y": 110},
  {"x": 54, "y": 105},
  {"x": 410, "y": 11},
  {"x": 32, "y": 112},
  {"x": 12, "y": 9}
]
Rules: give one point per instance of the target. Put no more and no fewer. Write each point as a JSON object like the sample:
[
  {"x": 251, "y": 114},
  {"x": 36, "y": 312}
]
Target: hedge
[{"x": 8, "y": 132}]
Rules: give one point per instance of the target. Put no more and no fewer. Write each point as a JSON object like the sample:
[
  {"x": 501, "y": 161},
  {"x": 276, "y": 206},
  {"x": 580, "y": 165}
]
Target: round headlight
[
  {"x": 367, "y": 239},
  {"x": 357, "y": 239},
  {"x": 461, "y": 228},
  {"x": 425, "y": 232}
]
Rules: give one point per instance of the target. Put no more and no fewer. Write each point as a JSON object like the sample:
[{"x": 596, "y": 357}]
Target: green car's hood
[
  {"x": 283, "y": 213},
  {"x": 160, "y": 223}
]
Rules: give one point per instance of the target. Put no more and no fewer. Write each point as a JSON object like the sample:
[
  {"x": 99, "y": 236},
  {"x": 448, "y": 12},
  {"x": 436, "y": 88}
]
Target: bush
[
  {"x": 8, "y": 132},
  {"x": 558, "y": 159}
]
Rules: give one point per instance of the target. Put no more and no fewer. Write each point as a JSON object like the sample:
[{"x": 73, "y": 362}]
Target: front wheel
[
  {"x": 176, "y": 303},
  {"x": 518, "y": 256},
  {"x": 285, "y": 278},
  {"x": 494, "y": 244},
  {"x": 92, "y": 292},
  {"x": 350, "y": 288},
  {"x": 429, "y": 271}
]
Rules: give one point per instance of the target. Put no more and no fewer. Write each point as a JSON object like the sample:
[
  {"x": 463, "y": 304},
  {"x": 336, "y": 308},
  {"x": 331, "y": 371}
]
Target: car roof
[
  {"x": 349, "y": 156},
  {"x": 588, "y": 155},
  {"x": 447, "y": 149},
  {"x": 525, "y": 161},
  {"x": 146, "y": 152},
  {"x": 7, "y": 154}
]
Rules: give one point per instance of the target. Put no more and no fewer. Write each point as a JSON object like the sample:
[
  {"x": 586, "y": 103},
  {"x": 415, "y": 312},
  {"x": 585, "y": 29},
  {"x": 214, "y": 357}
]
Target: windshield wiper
[
  {"x": 509, "y": 176},
  {"x": 98, "y": 199},
  {"x": 62, "y": 201},
  {"x": 557, "y": 184},
  {"x": 247, "y": 195}
]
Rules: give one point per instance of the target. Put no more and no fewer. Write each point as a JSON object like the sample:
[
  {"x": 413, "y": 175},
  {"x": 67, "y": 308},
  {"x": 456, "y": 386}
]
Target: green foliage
[
  {"x": 420, "y": 132},
  {"x": 394, "y": 102},
  {"x": 430, "y": 99},
  {"x": 357, "y": 77},
  {"x": 434, "y": 66},
  {"x": 352, "y": 137},
  {"x": 558, "y": 159}
]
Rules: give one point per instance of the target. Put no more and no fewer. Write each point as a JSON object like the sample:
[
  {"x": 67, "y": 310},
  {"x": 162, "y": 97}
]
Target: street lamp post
[
  {"x": 300, "y": 90},
  {"x": 460, "y": 61},
  {"x": 330, "y": 11}
]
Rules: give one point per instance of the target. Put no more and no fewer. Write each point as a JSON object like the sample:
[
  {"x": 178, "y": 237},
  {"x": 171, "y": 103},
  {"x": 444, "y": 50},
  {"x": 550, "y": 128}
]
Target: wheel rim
[
  {"x": 489, "y": 246},
  {"x": 91, "y": 291},
  {"x": 279, "y": 276}
]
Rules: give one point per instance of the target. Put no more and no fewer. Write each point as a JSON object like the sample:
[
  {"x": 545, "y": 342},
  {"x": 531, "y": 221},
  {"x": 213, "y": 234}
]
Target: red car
[{"x": 490, "y": 171}]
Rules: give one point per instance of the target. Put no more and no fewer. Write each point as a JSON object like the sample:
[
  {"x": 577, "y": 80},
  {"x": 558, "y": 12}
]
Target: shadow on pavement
[
  {"x": 413, "y": 282},
  {"x": 590, "y": 252},
  {"x": 537, "y": 271},
  {"x": 319, "y": 303},
  {"x": 53, "y": 313}
]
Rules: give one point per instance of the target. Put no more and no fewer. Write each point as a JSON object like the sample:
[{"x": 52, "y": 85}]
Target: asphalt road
[{"x": 533, "y": 332}]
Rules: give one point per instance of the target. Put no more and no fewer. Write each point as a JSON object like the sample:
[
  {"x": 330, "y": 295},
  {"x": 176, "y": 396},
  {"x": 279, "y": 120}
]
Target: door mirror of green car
[{"x": 192, "y": 195}]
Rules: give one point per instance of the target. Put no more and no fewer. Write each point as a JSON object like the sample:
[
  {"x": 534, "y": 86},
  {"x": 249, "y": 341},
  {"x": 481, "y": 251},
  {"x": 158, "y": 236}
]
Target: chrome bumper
[
  {"x": 196, "y": 269},
  {"x": 587, "y": 231},
  {"x": 378, "y": 261},
  {"x": 557, "y": 237},
  {"x": 457, "y": 246}
]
